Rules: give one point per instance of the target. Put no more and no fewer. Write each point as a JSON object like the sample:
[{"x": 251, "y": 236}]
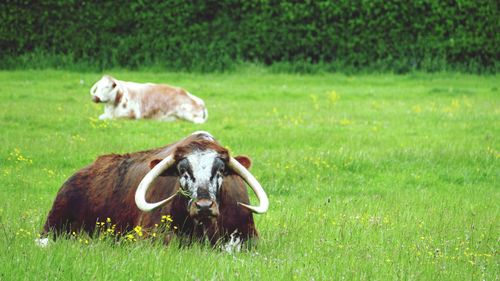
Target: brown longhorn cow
[{"x": 194, "y": 180}]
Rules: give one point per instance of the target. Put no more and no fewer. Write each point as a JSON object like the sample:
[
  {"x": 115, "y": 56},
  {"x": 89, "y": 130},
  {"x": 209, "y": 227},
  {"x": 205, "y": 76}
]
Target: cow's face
[
  {"x": 104, "y": 90},
  {"x": 201, "y": 174},
  {"x": 200, "y": 164}
]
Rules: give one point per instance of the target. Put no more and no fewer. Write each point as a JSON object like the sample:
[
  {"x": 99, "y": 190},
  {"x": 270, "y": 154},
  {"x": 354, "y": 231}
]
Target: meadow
[{"x": 370, "y": 176}]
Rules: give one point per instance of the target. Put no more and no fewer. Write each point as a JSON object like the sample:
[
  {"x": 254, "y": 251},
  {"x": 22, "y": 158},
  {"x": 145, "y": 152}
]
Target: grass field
[{"x": 370, "y": 177}]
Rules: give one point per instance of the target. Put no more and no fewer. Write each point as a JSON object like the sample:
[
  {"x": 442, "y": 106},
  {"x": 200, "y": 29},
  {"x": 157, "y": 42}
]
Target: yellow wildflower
[
  {"x": 345, "y": 122},
  {"x": 138, "y": 230},
  {"x": 333, "y": 97}
]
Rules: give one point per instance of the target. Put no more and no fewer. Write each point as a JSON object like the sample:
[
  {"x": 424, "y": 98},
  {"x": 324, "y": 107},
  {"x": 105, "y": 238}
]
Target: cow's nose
[
  {"x": 204, "y": 204},
  {"x": 96, "y": 99},
  {"x": 204, "y": 208}
]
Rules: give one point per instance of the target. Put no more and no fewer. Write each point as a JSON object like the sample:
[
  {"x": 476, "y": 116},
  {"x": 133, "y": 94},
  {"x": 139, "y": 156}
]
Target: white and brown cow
[
  {"x": 132, "y": 100},
  {"x": 195, "y": 180}
]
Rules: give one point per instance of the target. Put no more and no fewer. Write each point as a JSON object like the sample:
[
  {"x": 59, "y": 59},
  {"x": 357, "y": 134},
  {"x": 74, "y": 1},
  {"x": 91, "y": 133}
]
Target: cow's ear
[
  {"x": 168, "y": 172},
  {"x": 118, "y": 99},
  {"x": 244, "y": 160},
  {"x": 153, "y": 163}
]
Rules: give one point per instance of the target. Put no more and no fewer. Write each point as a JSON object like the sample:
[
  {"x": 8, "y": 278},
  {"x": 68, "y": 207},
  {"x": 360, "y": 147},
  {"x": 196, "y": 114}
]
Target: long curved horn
[
  {"x": 140, "y": 194},
  {"x": 254, "y": 184}
]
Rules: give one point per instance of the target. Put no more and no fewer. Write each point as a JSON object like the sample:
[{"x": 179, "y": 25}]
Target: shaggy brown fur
[{"x": 106, "y": 189}]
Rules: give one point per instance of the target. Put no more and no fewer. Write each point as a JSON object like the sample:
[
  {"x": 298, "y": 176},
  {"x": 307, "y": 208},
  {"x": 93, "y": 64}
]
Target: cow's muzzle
[
  {"x": 96, "y": 99},
  {"x": 204, "y": 210}
]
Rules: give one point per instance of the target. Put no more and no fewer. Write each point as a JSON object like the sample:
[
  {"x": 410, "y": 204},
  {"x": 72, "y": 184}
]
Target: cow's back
[
  {"x": 159, "y": 101},
  {"x": 105, "y": 189},
  {"x": 165, "y": 102}
]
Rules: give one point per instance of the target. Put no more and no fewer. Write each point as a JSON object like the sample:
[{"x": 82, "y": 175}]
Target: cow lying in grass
[
  {"x": 132, "y": 100},
  {"x": 195, "y": 181}
]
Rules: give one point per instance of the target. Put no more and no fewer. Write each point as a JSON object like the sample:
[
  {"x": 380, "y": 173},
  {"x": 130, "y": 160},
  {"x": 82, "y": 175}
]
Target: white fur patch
[
  {"x": 201, "y": 162},
  {"x": 196, "y": 99},
  {"x": 42, "y": 242},
  {"x": 198, "y": 116},
  {"x": 234, "y": 244}
]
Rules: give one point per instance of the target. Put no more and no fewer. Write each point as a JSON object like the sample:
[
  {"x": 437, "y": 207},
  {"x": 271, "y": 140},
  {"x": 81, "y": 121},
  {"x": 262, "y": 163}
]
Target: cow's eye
[
  {"x": 183, "y": 173},
  {"x": 182, "y": 169}
]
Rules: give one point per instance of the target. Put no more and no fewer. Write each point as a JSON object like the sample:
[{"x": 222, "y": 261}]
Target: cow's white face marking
[
  {"x": 201, "y": 174},
  {"x": 104, "y": 90}
]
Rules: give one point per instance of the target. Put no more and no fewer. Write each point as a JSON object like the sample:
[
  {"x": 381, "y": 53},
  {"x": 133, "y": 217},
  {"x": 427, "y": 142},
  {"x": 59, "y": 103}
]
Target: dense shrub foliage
[{"x": 216, "y": 34}]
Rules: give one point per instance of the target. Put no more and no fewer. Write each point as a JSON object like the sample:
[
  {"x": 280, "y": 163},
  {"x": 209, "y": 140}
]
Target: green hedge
[{"x": 215, "y": 35}]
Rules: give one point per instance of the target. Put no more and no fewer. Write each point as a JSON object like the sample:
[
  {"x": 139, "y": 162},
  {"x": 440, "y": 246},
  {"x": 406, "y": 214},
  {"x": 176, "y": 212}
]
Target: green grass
[{"x": 370, "y": 177}]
